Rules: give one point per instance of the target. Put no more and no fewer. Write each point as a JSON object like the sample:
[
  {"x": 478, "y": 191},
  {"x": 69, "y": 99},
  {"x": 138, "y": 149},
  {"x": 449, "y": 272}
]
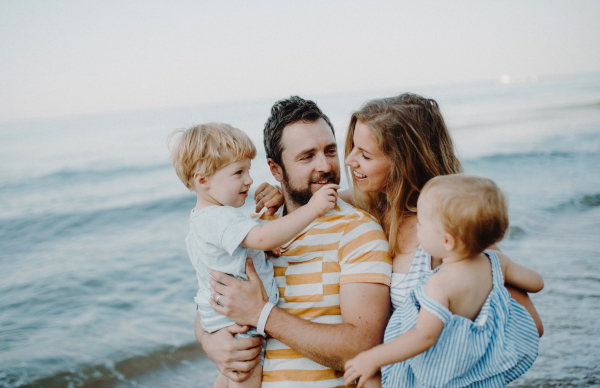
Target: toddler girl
[{"x": 459, "y": 327}]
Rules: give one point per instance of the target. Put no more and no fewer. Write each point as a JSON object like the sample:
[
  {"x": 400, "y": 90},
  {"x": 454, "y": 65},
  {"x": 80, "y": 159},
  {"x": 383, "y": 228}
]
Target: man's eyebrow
[
  {"x": 304, "y": 152},
  {"x": 311, "y": 150}
]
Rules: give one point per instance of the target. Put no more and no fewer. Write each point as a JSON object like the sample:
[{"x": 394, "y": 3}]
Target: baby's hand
[
  {"x": 324, "y": 200},
  {"x": 360, "y": 366}
]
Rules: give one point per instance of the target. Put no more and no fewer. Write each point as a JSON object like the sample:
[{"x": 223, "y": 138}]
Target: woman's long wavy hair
[{"x": 411, "y": 132}]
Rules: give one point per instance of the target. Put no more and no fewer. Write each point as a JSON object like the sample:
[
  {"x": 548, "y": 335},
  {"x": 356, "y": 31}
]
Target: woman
[{"x": 394, "y": 146}]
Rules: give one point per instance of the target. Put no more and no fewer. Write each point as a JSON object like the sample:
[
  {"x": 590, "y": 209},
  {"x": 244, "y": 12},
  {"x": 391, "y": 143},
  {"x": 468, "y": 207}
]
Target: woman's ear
[
  {"x": 449, "y": 242},
  {"x": 276, "y": 170}
]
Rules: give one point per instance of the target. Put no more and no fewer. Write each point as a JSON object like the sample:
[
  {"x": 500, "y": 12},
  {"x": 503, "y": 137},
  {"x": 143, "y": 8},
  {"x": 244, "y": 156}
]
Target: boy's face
[
  {"x": 229, "y": 186},
  {"x": 430, "y": 231}
]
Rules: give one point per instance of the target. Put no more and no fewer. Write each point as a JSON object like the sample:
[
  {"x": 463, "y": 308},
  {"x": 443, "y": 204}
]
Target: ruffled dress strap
[
  {"x": 497, "y": 275},
  {"x": 432, "y": 305}
]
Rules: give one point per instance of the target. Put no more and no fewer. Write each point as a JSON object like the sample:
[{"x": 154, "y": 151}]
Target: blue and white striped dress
[{"x": 499, "y": 346}]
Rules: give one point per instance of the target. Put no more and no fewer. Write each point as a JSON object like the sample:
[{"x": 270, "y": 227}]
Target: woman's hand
[
  {"x": 269, "y": 197},
  {"x": 234, "y": 357},
  {"x": 240, "y": 301},
  {"x": 360, "y": 367}
]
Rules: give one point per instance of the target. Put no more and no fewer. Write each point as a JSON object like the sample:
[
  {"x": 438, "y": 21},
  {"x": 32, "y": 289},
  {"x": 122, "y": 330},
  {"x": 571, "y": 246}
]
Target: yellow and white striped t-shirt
[{"x": 344, "y": 246}]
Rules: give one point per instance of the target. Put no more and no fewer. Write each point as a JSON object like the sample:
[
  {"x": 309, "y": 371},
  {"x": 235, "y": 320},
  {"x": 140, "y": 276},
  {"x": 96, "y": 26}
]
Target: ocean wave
[
  {"x": 515, "y": 233},
  {"x": 536, "y": 154},
  {"x": 527, "y": 115},
  {"x": 66, "y": 176},
  {"x": 532, "y": 154},
  {"x": 107, "y": 373},
  {"x": 580, "y": 203},
  {"x": 19, "y": 233}
]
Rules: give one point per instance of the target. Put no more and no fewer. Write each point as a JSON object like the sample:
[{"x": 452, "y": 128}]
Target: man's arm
[
  {"x": 235, "y": 358},
  {"x": 365, "y": 309}
]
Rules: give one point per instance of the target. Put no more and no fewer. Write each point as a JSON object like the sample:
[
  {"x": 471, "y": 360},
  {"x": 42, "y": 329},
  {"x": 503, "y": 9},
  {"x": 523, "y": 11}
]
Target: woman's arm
[
  {"x": 523, "y": 299},
  {"x": 521, "y": 296},
  {"x": 269, "y": 197}
]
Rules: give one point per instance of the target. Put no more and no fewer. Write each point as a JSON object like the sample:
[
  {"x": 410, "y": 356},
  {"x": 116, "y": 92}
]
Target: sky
[{"x": 62, "y": 58}]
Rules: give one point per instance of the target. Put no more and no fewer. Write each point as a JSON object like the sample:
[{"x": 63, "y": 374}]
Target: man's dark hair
[{"x": 286, "y": 112}]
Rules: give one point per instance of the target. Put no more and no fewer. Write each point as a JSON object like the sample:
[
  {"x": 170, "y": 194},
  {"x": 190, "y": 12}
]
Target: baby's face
[
  {"x": 229, "y": 186},
  {"x": 430, "y": 231}
]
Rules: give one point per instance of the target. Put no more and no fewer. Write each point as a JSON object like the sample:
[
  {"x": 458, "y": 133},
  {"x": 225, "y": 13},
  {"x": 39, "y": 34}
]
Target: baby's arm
[
  {"x": 278, "y": 232},
  {"x": 520, "y": 276},
  {"x": 407, "y": 345}
]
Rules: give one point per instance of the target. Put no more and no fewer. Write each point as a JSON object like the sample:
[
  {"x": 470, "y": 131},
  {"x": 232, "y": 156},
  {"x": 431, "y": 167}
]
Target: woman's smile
[{"x": 370, "y": 165}]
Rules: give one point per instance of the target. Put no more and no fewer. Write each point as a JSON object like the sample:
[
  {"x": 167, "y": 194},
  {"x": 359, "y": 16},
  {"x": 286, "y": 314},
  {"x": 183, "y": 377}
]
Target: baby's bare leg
[
  {"x": 374, "y": 382},
  {"x": 254, "y": 381}
]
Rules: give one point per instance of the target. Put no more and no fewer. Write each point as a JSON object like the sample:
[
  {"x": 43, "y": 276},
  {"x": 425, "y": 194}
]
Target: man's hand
[
  {"x": 240, "y": 301},
  {"x": 235, "y": 358},
  {"x": 269, "y": 197}
]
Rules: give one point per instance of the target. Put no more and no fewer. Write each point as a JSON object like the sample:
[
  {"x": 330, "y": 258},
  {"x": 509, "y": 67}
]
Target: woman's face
[{"x": 369, "y": 164}]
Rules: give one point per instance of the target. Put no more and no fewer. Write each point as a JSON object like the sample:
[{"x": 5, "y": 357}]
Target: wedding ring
[
  {"x": 263, "y": 194},
  {"x": 218, "y": 296}
]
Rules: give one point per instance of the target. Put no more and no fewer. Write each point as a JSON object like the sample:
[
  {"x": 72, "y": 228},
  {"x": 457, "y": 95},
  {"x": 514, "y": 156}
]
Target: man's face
[{"x": 310, "y": 160}]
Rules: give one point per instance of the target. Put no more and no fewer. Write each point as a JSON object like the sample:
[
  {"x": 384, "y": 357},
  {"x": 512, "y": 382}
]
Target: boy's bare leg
[
  {"x": 254, "y": 381},
  {"x": 221, "y": 382}
]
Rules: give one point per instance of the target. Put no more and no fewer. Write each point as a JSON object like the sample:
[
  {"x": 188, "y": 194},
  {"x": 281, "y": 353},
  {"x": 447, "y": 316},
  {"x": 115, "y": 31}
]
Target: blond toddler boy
[{"x": 213, "y": 160}]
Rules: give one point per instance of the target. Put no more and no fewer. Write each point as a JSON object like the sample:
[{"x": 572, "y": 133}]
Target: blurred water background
[{"x": 96, "y": 286}]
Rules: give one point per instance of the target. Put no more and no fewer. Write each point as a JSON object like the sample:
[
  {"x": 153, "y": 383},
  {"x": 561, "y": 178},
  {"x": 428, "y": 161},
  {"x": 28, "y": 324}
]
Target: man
[{"x": 333, "y": 278}]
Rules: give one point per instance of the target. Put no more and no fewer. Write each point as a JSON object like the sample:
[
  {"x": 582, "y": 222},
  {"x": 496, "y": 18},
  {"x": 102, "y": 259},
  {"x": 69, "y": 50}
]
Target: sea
[{"x": 96, "y": 287}]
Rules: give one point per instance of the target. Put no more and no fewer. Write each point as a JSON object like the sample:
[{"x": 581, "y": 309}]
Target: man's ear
[
  {"x": 276, "y": 170},
  {"x": 201, "y": 181},
  {"x": 449, "y": 242}
]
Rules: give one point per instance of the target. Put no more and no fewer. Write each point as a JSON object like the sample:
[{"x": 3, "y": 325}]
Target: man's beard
[{"x": 301, "y": 196}]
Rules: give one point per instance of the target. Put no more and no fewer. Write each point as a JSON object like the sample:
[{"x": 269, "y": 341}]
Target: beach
[{"x": 97, "y": 288}]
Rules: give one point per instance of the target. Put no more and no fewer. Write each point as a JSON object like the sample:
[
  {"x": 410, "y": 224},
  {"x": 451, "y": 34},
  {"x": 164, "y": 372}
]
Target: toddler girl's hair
[
  {"x": 207, "y": 148},
  {"x": 471, "y": 208}
]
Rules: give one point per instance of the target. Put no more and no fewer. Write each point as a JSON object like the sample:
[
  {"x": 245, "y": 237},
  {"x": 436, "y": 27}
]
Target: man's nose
[{"x": 323, "y": 164}]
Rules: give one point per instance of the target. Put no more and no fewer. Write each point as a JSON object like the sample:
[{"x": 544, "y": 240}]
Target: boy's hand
[
  {"x": 361, "y": 366},
  {"x": 324, "y": 200}
]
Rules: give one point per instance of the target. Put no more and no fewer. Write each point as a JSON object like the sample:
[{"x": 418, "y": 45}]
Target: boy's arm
[
  {"x": 519, "y": 276},
  {"x": 276, "y": 233}
]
